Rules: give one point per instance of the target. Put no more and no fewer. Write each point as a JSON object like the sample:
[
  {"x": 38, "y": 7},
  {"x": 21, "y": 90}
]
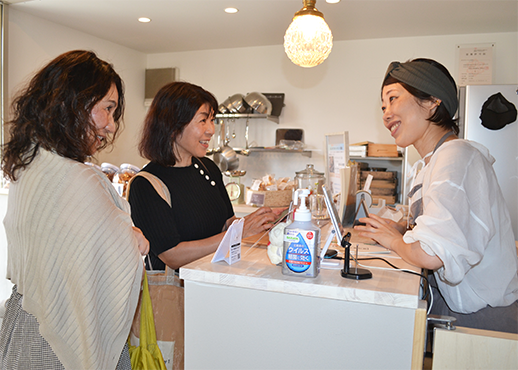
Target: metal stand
[{"x": 358, "y": 273}]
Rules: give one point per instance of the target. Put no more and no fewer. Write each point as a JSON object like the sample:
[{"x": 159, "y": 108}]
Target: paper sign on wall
[
  {"x": 475, "y": 64},
  {"x": 229, "y": 249}
]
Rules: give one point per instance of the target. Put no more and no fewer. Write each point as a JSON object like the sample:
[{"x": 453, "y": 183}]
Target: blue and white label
[{"x": 298, "y": 254}]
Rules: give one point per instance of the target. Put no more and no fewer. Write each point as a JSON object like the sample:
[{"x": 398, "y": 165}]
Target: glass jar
[
  {"x": 319, "y": 213},
  {"x": 311, "y": 179},
  {"x": 93, "y": 165},
  {"x": 109, "y": 170},
  {"x": 123, "y": 176}
]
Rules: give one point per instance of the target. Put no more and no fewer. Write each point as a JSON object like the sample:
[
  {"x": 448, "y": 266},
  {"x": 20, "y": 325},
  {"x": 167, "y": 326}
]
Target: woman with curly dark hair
[{"x": 73, "y": 254}]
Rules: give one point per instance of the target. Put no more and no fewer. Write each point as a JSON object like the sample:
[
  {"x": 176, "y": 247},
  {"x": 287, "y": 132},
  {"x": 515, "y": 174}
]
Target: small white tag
[
  {"x": 367, "y": 186},
  {"x": 255, "y": 185}
]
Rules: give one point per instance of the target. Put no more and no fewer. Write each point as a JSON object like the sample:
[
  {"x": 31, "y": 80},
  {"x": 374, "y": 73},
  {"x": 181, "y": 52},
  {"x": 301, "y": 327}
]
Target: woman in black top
[{"x": 176, "y": 135}]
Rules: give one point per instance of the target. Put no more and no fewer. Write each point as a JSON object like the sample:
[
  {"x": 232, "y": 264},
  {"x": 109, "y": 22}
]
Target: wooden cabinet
[{"x": 390, "y": 164}]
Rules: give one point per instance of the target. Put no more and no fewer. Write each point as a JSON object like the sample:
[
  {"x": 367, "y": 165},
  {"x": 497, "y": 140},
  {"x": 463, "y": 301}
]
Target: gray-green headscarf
[{"x": 427, "y": 78}]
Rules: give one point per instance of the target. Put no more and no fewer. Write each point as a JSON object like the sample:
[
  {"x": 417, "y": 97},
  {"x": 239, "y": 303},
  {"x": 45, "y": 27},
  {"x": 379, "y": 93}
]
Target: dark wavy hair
[
  {"x": 172, "y": 109},
  {"x": 441, "y": 117},
  {"x": 54, "y": 111}
]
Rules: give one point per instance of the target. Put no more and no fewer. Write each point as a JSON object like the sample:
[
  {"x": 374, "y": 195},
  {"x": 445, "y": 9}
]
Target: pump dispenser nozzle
[{"x": 302, "y": 213}]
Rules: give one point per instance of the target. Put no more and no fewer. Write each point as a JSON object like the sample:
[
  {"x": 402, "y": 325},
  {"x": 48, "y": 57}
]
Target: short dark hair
[
  {"x": 172, "y": 109},
  {"x": 441, "y": 117},
  {"x": 54, "y": 110}
]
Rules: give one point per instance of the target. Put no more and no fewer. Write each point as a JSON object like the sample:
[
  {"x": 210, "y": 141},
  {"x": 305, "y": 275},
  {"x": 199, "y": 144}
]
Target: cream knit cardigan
[{"x": 74, "y": 258}]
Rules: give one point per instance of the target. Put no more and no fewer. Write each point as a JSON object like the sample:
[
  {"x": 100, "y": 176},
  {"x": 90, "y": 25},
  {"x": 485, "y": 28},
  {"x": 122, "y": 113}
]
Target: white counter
[
  {"x": 254, "y": 271},
  {"x": 250, "y": 316}
]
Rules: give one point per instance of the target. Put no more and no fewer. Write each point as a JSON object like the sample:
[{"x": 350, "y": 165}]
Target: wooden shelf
[{"x": 378, "y": 158}]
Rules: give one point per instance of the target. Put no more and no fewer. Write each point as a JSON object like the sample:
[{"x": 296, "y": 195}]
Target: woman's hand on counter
[
  {"x": 381, "y": 230},
  {"x": 387, "y": 233},
  {"x": 260, "y": 221},
  {"x": 143, "y": 243},
  {"x": 189, "y": 251}
]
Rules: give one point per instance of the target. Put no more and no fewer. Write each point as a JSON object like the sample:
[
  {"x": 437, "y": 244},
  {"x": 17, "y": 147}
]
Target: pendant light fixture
[{"x": 308, "y": 39}]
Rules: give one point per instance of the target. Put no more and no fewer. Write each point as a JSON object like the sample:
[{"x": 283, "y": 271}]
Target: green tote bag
[{"x": 147, "y": 355}]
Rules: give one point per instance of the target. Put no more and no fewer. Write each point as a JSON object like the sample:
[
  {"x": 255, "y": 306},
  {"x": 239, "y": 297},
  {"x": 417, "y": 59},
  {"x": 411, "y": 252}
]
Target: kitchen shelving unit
[
  {"x": 248, "y": 116},
  {"x": 306, "y": 153}
]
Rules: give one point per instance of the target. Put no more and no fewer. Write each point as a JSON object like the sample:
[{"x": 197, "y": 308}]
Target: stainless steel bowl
[
  {"x": 226, "y": 159},
  {"x": 238, "y": 104},
  {"x": 260, "y": 103},
  {"x": 235, "y": 173},
  {"x": 226, "y": 105},
  {"x": 222, "y": 108}
]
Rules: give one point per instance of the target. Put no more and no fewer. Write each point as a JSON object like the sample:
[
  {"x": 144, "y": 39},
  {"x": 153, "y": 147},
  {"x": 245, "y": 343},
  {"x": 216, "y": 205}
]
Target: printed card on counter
[{"x": 229, "y": 249}]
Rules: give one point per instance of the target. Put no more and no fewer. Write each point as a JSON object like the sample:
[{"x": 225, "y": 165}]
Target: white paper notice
[
  {"x": 475, "y": 64},
  {"x": 229, "y": 249}
]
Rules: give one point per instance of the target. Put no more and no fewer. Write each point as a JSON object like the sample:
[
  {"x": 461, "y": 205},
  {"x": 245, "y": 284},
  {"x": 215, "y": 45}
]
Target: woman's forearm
[
  {"x": 415, "y": 255},
  {"x": 187, "y": 252}
]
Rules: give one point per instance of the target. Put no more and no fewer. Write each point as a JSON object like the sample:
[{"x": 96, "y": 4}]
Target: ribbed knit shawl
[{"x": 74, "y": 258}]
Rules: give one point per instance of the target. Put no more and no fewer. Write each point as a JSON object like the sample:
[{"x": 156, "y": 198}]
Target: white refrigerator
[{"x": 502, "y": 143}]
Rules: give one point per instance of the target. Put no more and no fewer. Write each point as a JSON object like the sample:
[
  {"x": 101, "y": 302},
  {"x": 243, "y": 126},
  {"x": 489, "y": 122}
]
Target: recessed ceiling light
[
  {"x": 144, "y": 20},
  {"x": 332, "y": 1},
  {"x": 231, "y": 10}
]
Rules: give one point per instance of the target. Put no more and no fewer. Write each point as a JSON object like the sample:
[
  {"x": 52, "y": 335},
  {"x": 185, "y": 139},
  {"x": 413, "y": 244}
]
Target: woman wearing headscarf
[
  {"x": 458, "y": 225},
  {"x": 73, "y": 255}
]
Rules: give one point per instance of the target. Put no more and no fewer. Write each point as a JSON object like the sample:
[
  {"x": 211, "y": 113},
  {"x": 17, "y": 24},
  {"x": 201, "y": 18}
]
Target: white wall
[
  {"x": 342, "y": 94},
  {"x": 32, "y": 42}
]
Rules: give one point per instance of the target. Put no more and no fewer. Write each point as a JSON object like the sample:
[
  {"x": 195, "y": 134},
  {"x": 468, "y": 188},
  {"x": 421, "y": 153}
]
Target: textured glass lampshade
[{"x": 308, "y": 40}]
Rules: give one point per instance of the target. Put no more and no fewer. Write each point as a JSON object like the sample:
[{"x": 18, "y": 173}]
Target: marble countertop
[{"x": 255, "y": 271}]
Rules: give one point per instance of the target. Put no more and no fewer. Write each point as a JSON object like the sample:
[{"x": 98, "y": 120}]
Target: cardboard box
[
  {"x": 389, "y": 199},
  {"x": 382, "y": 150}
]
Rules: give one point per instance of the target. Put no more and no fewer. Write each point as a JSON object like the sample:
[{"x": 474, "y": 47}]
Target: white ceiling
[{"x": 186, "y": 25}]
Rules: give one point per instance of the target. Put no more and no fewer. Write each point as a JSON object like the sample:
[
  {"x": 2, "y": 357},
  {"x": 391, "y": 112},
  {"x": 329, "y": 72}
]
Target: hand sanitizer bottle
[{"x": 301, "y": 246}]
